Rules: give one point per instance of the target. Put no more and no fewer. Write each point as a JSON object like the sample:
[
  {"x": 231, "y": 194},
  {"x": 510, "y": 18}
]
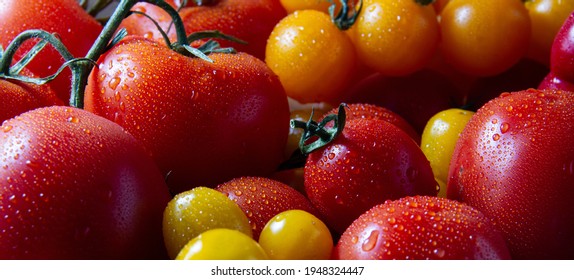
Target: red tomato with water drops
[
  {"x": 74, "y": 26},
  {"x": 74, "y": 185},
  {"x": 370, "y": 162},
  {"x": 261, "y": 199},
  {"x": 19, "y": 97},
  {"x": 203, "y": 122},
  {"x": 416, "y": 97},
  {"x": 514, "y": 163},
  {"x": 422, "y": 228}
]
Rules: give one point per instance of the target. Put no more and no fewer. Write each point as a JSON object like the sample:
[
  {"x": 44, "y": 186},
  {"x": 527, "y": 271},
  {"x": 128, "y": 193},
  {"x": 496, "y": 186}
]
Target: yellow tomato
[
  {"x": 296, "y": 235},
  {"x": 296, "y": 5},
  {"x": 397, "y": 37},
  {"x": 439, "y": 139},
  {"x": 200, "y": 209},
  {"x": 547, "y": 16},
  {"x": 222, "y": 244},
  {"x": 314, "y": 60}
]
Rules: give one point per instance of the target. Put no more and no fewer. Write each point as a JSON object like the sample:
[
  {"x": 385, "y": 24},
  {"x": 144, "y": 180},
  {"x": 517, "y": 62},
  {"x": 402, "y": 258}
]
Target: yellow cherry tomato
[
  {"x": 296, "y": 5},
  {"x": 395, "y": 38},
  {"x": 547, "y": 16},
  {"x": 313, "y": 58},
  {"x": 222, "y": 244},
  {"x": 484, "y": 37},
  {"x": 296, "y": 235},
  {"x": 439, "y": 138},
  {"x": 200, "y": 209}
]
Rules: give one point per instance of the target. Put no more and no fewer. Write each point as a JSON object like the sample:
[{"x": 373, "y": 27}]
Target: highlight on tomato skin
[{"x": 421, "y": 227}]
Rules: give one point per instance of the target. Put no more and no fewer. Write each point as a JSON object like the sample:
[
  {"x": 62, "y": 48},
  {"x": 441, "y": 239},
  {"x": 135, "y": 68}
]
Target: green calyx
[
  {"x": 347, "y": 15},
  {"x": 317, "y": 135}
]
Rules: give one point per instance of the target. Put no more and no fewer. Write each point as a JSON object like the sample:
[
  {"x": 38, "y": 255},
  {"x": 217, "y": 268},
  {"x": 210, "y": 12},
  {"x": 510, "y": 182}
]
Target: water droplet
[
  {"x": 114, "y": 82},
  {"x": 73, "y": 119},
  {"x": 504, "y": 127},
  {"x": 7, "y": 128},
  {"x": 371, "y": 241},
  {"x": 496, "y": 137},
  {"x": 238, "y": 193},
  {"x": 439, "y": 252},
  {"x": 117, "y": 96}
]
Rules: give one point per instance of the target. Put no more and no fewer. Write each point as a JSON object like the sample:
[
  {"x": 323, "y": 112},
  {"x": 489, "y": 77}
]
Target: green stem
[
  {"x": 100, "y": 45},
  {"x": 324, "y": 135}
]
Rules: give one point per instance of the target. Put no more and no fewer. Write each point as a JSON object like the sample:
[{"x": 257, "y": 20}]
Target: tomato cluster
[{"x": 287, "y": 129}]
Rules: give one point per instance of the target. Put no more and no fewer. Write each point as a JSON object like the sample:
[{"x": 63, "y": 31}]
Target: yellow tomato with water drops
[
  {"x": 296, "y": 5},
  {"x": 313, "y": 58},
  {"x": 439, "y": 139},
  {"x": 395, "y": 38},
  {"x": 195, "y": 211},
  {"x": 296, "y": 235},
  {"x": 222, "y": 244}
]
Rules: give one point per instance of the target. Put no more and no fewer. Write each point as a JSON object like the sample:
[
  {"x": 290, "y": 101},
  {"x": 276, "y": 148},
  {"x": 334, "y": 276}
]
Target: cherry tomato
[
  {"x": 296, "y": 235},
  {"x": 192, "y": 212},
  {"x": 421, "y": 228},
  {"x": 484, "y": 37},
  {"x": 562, "y": 53},
  {"x": 547, "y": 16},
  {"x": 553, "y": 82},
  {"x": 19, "y": 97},
  {"x": 74, "y": 185},
  {"x": 296, "y": 5},
  {"x": 514, "y": 163},
  {"x": 395, "y": 37},
  {"x": 74, "y": 26},
  {"x": 203, "y": 122},
  {"x": 439, "y": 138},
  {"x": 262, "y": 198},
  {"x": 222, "y": 244},
  {"x": 313, "y": 58},
  {"x": 370, "y": 162}
]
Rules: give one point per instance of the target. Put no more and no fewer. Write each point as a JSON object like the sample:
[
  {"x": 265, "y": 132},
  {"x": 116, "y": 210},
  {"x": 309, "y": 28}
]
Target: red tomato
[
  {"x": 203, "y": 123},
  {"x": 422, "y": 228},
  {"x": 369, "y": 162},
  {"x": 562, "y": 53},
  {"x": 19, "y": 97},
  {"x": 250, "y": 21},
  {"x": 74, "y": 26},
  {"x": 514, "y": 162},
  {"x": 550, "y": 81},
  {"x": 74, "y": 185},
  {"x": 261, "y": 199},
  {"x": 416, "y": 97}
]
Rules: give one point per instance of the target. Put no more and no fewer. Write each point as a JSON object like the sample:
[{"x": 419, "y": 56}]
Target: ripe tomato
[
  {"x": 370, "y": 111},
  {"x": 416, "y": 97},
  {"x": 553, "y": 82},
  {"x": 514, "y": 163},
  {"x": 296, "y": 5},
  {"x": 369, "y": 162},
  {"x": 547, "y": 16},
  {"x": 313, "y": 58},
  {"x": 296, "y": 235},
  {"x": 438, "y": 141},
  {"x": 222, "y": 244},
  {"x": 261, "y": 199},
  {"x": 138, "y": 24},
  {"x": 203, "y": 123},
  {"x": 422, "y": 228},
  {"x": 75, "y": 27},
  {"x": 74, "y": 185},
  {"x": 195, "y": 211},
  {"x": 395, "y": 38},
  {"x": 484, "y": 37},
  {"x": 19, "y": 97},
  {"x": 562, "y": 53}
]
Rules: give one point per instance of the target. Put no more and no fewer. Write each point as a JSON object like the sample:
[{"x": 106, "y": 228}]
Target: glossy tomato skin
[
  {"x": 551, "y": 81},
  {"x": 74, "y": 185},
  {"x": 422, "y": 228},
  {"x": 513, "y": 162},
  {"x": 203, "y": 123},
  {"x": 262, "y": 198},
  {"x": 562, "y": 53},
  {"x": 19, "y": 97},
  {"x": 370, "y": 162},
  {"x": 74, "y": 26}
]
